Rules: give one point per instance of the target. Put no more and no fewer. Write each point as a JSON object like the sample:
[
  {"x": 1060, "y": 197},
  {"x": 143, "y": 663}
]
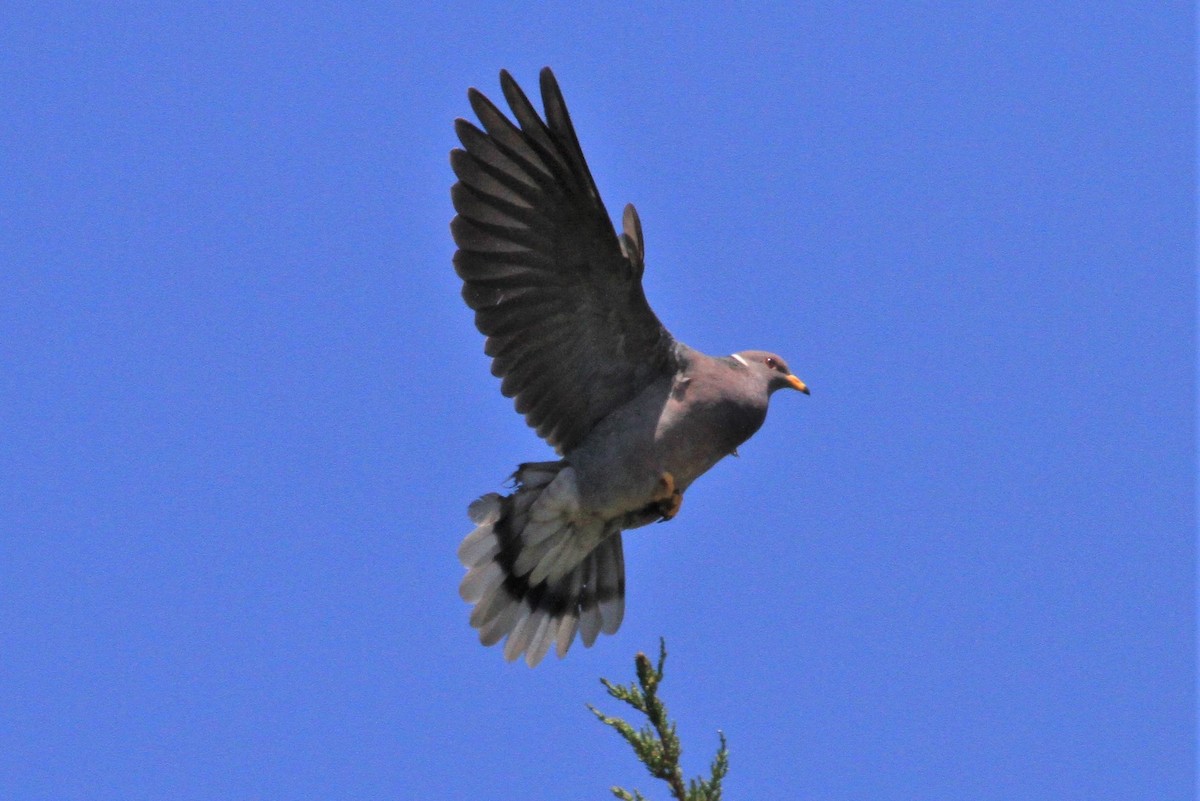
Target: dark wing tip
[
  {"x": 481, "y": 105},
  {"x": 459, "y": 126},
  {"x": 550, "y": 89}
]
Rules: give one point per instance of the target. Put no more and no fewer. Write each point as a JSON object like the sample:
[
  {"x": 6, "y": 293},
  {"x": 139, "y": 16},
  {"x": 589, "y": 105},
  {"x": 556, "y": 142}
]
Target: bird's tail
[{"x": 538, "y": 571}]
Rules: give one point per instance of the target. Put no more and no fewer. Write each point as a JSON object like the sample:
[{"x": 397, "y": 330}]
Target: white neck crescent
[{"x": 740, "y": 359}]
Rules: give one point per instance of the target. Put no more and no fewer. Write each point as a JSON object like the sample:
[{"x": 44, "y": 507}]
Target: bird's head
[{"x": 772, "y": 368}]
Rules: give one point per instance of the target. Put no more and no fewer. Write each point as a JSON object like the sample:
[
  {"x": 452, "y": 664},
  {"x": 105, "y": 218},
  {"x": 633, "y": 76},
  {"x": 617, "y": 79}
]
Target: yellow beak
[{"x": 796, "y": 383}]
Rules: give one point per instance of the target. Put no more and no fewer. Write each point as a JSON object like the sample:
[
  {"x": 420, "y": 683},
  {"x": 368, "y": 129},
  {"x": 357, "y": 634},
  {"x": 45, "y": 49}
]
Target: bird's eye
[{"x": 772, "y": 363}]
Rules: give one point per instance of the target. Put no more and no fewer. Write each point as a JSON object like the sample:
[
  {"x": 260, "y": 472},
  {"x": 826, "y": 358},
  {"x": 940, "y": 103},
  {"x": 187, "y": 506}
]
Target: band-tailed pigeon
[{"x": 635, "y": 415}]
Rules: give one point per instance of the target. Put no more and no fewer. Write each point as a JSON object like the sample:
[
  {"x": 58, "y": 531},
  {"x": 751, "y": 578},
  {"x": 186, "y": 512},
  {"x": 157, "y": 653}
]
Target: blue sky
[{"x": 243, "y": 408}]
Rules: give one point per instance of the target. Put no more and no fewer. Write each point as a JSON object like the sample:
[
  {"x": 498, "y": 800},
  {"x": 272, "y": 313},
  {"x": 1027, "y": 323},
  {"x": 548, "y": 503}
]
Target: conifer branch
[{"x": 656, "y": 744}]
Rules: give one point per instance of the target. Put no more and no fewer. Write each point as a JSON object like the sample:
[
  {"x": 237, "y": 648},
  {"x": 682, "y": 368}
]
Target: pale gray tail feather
[{"x": 528, "y": 598}]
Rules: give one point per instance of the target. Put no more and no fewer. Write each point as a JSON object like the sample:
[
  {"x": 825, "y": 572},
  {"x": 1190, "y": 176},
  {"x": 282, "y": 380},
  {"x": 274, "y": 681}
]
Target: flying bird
[{"x": 635, "y": 415}]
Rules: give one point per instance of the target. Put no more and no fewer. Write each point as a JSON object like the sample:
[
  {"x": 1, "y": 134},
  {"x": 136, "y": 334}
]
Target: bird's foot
[
  {"x": 669, "y": 507},
  {"x": 669, "y": 499}
]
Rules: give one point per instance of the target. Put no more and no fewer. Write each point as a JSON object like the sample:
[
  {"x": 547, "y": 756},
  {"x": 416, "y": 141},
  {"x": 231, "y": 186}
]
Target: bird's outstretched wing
[{"x": 555, "y": 290}]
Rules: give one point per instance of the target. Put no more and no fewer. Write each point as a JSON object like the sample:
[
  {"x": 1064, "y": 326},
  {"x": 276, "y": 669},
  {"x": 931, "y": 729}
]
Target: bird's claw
[
  {"x": 668, "y": 503},
  {"x": 669, "y": 507}
]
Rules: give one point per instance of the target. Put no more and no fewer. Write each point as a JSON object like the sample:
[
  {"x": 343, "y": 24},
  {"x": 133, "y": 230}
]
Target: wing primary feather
[
  {"x": 472, "y": 173},
  {"x": 485, "y": 272},
  {"x": 482, "y": 208},
  {"x": 536, "y": 133},
  {"x": 473, "y": 262},
  {"x": 559, "y": 122},
  {"x": 528, "y": 245},
  {"x": 526, "y": 238},
  {"x": 491, "y": 180},
  {"x": 489, "y": 152},
  {"x": 471, "y": 236},
  {"x": 506, "y": 135}
]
